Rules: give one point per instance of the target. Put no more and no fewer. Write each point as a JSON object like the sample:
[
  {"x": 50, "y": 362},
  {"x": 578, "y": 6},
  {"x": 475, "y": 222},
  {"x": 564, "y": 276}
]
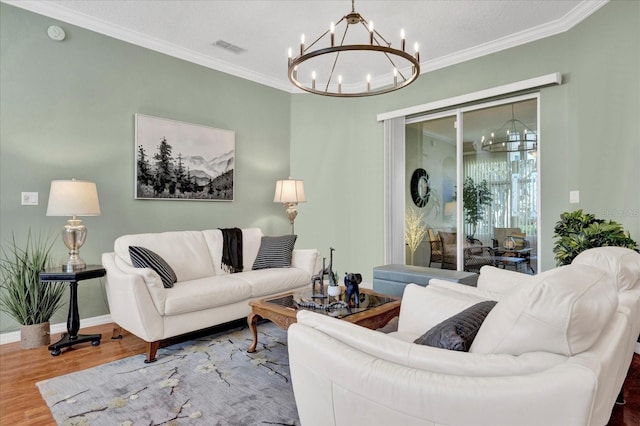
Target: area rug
[{"x": 207, "y": 381}]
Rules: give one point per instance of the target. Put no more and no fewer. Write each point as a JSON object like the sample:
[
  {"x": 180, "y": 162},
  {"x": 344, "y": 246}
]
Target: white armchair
[{"x": 554, "y": 350}]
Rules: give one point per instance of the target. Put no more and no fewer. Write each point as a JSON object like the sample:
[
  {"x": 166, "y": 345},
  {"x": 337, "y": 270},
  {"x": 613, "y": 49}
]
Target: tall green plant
[
  {"x": 475, "y": 198},
  {"x": 577, "y": 231},
  {"x": 22, "y": 295}
]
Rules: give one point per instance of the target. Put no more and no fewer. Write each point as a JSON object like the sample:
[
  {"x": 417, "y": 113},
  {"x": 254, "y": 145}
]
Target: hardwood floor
[{"x": 21, "y": 403}]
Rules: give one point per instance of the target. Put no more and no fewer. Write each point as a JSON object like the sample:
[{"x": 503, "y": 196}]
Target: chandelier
[
  {"x": 335, "y": 67},
  {"x": 513, "y": 136}
]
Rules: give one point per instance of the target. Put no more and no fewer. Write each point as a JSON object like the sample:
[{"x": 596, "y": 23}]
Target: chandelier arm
[
  {"x": 333, "y": 68},
  {"x": 365, "y": 24},
  {"x": 316, "y": 40},
  {"x": 323, "y": 34},
  {"x": 395, "y": 67}
]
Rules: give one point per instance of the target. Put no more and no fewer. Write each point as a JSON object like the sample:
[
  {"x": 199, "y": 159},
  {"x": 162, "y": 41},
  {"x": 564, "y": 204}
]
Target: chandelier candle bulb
[
  {"x": 368, "y": 82},
  {"x": 313, "y": 79},
  {"x": 415, "y": 47},
  {"x": 290, "y": 56},
  {"x": 395, "y": 76},
  {"x": 371, "y": 32},
  {"x": 332, "y": 28},
  {"x": 339, "y": 84},
  {"x": 302, "y": 44}
]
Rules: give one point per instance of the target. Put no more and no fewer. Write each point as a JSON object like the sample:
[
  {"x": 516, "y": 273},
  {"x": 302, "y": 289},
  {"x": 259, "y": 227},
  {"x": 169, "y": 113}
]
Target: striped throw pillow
[
  {"x": 144, "y": 258},
  {"x": 275, "y": 252}
]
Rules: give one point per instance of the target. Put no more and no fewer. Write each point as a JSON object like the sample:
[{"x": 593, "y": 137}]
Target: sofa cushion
[
  {"x": 275, "y": 252},
  {"x": 144, "y": 258},
  {"x": 269, "y": 281},
  {"x": 185, "y": 251},
  {"x": 563, "y": 311},
  {"x": 501, "y": 280},
  {"x": 457, "y": 332},
  {"x": 424, "y": 307},
  {"x": 205, "y": 293},
  {"x": 621, "y": 262}
]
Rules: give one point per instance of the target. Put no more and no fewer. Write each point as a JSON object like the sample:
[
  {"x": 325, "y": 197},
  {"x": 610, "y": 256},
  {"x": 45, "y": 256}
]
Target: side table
[{"x": 73, "y": 320}]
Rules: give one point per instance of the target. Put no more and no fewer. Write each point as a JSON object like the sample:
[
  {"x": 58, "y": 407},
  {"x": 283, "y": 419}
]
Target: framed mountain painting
[{"x": 182, "y": 161}]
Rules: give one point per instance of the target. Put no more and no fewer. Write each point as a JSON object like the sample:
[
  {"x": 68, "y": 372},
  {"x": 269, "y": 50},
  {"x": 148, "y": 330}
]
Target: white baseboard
[{"x": 14, "y": 336}]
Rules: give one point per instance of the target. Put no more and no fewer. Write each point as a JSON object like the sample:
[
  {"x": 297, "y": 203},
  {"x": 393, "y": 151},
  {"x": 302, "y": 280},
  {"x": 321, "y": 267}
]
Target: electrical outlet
[{"x": 29, "y": 198}]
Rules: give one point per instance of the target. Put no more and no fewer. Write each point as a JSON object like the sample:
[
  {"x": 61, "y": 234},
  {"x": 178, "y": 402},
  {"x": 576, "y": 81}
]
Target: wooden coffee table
[{"x": 281, "y": 310}]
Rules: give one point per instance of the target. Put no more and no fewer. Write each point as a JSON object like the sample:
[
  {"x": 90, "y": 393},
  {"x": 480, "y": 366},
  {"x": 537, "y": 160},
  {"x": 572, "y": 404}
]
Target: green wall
[
  {"x": 589, "y": 136},
  {"x": 67, "y": 110}
]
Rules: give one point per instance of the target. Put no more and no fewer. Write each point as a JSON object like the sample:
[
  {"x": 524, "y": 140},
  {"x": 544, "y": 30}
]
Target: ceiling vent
[{"x": 229, "y": 47}]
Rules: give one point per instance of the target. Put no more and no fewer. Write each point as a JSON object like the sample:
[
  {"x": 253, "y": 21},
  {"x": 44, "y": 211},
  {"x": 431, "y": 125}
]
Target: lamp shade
[
  {"x": 289, "y": 191},
  {"x": 73, "y": 198}
]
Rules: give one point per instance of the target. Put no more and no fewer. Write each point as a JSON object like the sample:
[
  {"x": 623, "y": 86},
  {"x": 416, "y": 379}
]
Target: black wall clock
[{"x": 420, "y": 188}]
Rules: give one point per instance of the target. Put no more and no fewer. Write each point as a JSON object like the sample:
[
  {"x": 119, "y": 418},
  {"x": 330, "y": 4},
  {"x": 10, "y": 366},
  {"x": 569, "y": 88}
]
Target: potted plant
[
  {"x": 475, "y": 199},
  {"x": 577, "y": 231},
  {"x": 333, "y": 289},
  {"x": 22, "y": 296}
]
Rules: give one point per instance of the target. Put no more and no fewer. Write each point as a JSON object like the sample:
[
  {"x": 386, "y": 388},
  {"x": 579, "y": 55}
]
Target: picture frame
[{"x": 182, "y": 161}]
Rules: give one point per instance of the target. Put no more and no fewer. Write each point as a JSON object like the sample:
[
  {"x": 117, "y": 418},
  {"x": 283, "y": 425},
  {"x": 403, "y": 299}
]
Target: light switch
[
  {"x": 29, "y": 198},
  {"x": 574, "y": 197}
]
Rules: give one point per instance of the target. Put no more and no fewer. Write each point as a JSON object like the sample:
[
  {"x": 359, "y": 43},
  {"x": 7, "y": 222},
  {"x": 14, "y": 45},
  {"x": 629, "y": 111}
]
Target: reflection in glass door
[
  {"x": 500, "y": 186},
  {"x": 431, "y": 151},
  {"x": 496, "y": 181}
]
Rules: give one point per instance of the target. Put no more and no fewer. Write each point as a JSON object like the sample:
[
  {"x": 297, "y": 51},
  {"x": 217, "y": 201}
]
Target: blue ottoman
[{"x": 391, "y": 279}]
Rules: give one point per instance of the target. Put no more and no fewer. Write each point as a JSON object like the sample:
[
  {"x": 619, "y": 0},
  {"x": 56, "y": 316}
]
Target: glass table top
[{"x": 331, "y": 306}]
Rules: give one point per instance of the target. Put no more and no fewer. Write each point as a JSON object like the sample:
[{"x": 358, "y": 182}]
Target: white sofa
[
  {"x": 204, "y": 294},
  {"x": 554, "y": 350}
]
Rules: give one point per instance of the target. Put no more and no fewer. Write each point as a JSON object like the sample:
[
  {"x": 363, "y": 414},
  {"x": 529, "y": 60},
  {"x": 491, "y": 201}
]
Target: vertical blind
[{"x": 512, "y": 180}]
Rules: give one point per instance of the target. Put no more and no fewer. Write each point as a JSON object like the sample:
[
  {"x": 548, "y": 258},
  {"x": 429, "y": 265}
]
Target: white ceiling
[{"x": 448, "y": 31}]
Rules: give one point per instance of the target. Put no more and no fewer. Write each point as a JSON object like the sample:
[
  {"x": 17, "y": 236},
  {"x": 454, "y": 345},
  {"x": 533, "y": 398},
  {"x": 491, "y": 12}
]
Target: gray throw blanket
[{"x": 231, "y": 250}]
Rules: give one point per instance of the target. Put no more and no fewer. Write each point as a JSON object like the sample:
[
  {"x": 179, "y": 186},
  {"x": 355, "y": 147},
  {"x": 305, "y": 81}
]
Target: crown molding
[
  {"x": 82, "y": 20},
  {"x": 55, "y": 11}
]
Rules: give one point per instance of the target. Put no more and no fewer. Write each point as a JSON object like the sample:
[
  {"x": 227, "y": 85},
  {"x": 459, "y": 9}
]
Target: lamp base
[
  {"x": 292, "y": 212},
  {"x": 74, "y": 235},
  {"x": 74, "y": 263}
]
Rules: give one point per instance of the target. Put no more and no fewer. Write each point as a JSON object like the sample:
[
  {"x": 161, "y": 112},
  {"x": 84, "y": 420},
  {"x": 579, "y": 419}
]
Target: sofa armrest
[
  {"x": 306, "y": 259},
  {"x": 130, "y": 303}
]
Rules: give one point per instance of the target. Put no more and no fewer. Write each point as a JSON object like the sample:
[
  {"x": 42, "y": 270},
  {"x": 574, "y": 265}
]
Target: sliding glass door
[
  {"x": 430, "y": 152},
  {"x": 472, "y": 187}
]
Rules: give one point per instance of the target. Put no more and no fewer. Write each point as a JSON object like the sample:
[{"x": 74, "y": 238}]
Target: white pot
[{"x": 334, "y": 290}]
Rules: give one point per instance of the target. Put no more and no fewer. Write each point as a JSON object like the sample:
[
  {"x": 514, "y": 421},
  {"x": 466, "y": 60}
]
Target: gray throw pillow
[
  {"x": 457, "y": 332},
  {"x": 144, "y": 258},
  {"x": 275, "y": 252}
]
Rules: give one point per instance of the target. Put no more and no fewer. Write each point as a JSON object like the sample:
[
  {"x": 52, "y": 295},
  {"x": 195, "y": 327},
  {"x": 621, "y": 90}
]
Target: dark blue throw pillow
[{"x": 457, "y": 332}]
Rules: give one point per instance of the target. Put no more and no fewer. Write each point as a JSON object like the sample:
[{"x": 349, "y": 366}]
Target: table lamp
[
  {"x": 290, "y": 192},
  {"x": 73, "y": 198}
]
